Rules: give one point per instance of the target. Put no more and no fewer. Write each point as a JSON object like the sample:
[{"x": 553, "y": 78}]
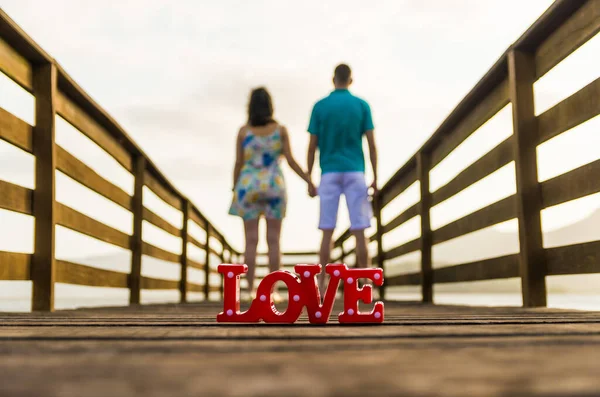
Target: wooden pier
[{"x": 421, "y": 350}]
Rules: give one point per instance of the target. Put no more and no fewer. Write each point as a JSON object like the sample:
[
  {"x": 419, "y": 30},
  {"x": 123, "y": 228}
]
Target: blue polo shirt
[{"x": 340, "y": 121}]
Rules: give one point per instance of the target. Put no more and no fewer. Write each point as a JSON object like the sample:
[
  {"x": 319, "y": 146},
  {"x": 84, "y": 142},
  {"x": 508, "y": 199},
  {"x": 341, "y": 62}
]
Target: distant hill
[{"x": 489, "y": 240}]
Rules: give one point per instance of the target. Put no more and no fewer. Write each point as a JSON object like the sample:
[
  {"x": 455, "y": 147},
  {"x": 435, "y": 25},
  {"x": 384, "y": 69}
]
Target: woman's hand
[{"x": 312, "y": 190}]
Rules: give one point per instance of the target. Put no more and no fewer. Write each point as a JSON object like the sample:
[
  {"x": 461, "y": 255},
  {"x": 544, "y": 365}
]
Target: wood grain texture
[
  {"x": 183, "y": 284},
  {"x": 405, "y": 216},
  {"x": 137, "y": 203},
  {"x": 15, "y": 131},
  {"x": 578, "y": 29},
  {"x": 574, "y": 259},
  {"x": 207, "y": 269},
  {"x": 197, "y": 217},
  {"x": 404, "y": 280},
  {"x": 15, "y": 66},
  {"x": 44, "y": 196},
  {"x": 73, "y": 114},
  {"x": 571, "y": 112},
  {"x": 196, "y": 265},
  {"x": 162, "y": 192},
  {"x": 521, "y": 66},
  {"x": 16, "y": 198},
  {"x": 501, "y": 211},
  {"x": 491, "y": 162},
  {"x": 572, "y": 185},
  {"x": 399, "y": 186},
  {"x": 76, "y": 274},
  {"x": 81, "y": 223},
  {"x": 79, "y": 171},
  {"x": 425, "y": 241},
  {"x": 179, "y": 350},
  {"x": 479, "y": 115},
  {"x": 150, "y": 283},
  {"x": 195, "y": 288},
  {"x": 15, "y": 266},
  {"x": 159, "y": 253},
  {"x": 195, "y": 242},
  {"x": 486, "y": 269},
  {"x": 159, "y": 222},
  {"x": 403, "y": 249}
]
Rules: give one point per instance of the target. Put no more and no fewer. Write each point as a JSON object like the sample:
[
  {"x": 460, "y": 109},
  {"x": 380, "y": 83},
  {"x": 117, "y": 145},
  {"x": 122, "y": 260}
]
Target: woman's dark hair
[{"x": 260, "y": 108}]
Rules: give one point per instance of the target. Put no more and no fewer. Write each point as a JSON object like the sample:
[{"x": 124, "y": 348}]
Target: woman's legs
[
  {"x": 251, "y": 235},
  {"x": 273, "y": 237}
]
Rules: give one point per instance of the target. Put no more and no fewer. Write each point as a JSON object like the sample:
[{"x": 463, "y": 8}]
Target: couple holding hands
[{"x": 337, "y": 126}]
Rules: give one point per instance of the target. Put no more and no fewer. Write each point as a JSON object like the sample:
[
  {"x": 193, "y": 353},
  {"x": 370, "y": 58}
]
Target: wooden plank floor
[{"x": 179, "y": 350}]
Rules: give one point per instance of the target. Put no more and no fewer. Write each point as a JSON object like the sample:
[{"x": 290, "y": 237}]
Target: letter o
[{"x": 267, "y": 311}]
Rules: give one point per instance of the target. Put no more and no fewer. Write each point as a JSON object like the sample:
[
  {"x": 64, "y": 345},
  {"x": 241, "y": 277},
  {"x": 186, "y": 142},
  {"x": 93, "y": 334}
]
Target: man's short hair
[{"x": 342, "y": 73}]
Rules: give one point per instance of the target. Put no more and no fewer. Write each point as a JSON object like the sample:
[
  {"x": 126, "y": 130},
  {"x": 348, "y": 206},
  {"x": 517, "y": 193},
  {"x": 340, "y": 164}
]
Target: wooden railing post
[
  {"x": 379, "y": 238},
  {"x": 221, "y": 286},
  {"x": 521, "y": 68},
  {"x": 184, "y": 254},
  {"x": 207, "y": 262},
  {"x": 137, "y": 204},
  {"x": 43, "y": 268},
  {"x": 423, "y": 166}
]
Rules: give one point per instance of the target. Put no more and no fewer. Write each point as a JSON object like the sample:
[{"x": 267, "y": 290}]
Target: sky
[{"x": 177, "y": 74}]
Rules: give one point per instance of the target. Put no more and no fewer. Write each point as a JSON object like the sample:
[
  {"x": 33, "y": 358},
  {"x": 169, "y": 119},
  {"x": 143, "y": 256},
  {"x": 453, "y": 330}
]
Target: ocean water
[{"x": 556, "y": 301}]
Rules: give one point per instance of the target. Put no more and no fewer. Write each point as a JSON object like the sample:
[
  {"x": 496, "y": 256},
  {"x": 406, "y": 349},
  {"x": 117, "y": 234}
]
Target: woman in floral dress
[{"x": 259, "y": 187}]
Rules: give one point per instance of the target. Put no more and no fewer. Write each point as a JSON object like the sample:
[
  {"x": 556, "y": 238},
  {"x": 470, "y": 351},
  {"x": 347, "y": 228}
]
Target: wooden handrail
[
  {"x": 22, "y": 60},
  {"x": 561, "y": 30}
]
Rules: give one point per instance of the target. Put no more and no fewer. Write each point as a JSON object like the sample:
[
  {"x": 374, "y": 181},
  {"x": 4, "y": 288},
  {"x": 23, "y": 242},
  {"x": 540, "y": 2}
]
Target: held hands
[{"x": 312, "y": 190}]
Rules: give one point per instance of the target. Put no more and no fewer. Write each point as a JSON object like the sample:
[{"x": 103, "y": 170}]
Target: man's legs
[
  {"x": 362, "y": 249},
  {"x": 359, "y": 208},
  {"x": 325, "y": 256},
  {"x": 330, "y": 190}
]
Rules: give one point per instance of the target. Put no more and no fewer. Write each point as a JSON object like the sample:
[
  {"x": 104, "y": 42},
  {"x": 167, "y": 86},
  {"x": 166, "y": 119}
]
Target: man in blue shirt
[{"x": 337, "y": 126}]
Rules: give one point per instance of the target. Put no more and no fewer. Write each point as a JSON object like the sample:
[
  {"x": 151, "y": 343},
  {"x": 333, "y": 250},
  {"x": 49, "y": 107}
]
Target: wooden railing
[
  {"x": 56, "y": 94},
  {"x": 566, "y": 26}
]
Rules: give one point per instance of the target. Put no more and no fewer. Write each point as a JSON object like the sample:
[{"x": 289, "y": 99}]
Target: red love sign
[{"x": 303, "y": 291}]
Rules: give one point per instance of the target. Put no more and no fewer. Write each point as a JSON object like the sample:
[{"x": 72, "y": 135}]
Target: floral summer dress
[{"x": 260, "y": 189}]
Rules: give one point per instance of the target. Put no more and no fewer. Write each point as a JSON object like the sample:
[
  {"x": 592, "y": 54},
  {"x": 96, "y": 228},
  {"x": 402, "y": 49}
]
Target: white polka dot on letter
[
  {"x": 377, "y": 276},
  {"x": 296, "y": 298},
  {"x": 377, "y": 315},
  {"x": 336, "y": 273},
  {"x": 350, "y": 312},
  {"x": 350, "y": 280},
  {"x": 318, "y": 314},
  {"x": 230, "y": 312},
  {"x": 263, "y": 298},
  {"x": 307, "y": 274},
  {"x": 230, "y": 274}
]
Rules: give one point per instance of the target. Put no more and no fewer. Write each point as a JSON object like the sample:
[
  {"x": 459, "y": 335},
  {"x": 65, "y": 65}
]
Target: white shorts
[{"x": 353, "y": 186}]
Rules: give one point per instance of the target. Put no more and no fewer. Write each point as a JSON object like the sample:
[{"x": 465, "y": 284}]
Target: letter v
[{"x": 319, "y": 313}]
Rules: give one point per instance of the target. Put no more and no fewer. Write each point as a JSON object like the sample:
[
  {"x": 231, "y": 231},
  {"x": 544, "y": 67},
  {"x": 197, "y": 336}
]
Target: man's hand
[{"x": 374, "y": 187}]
